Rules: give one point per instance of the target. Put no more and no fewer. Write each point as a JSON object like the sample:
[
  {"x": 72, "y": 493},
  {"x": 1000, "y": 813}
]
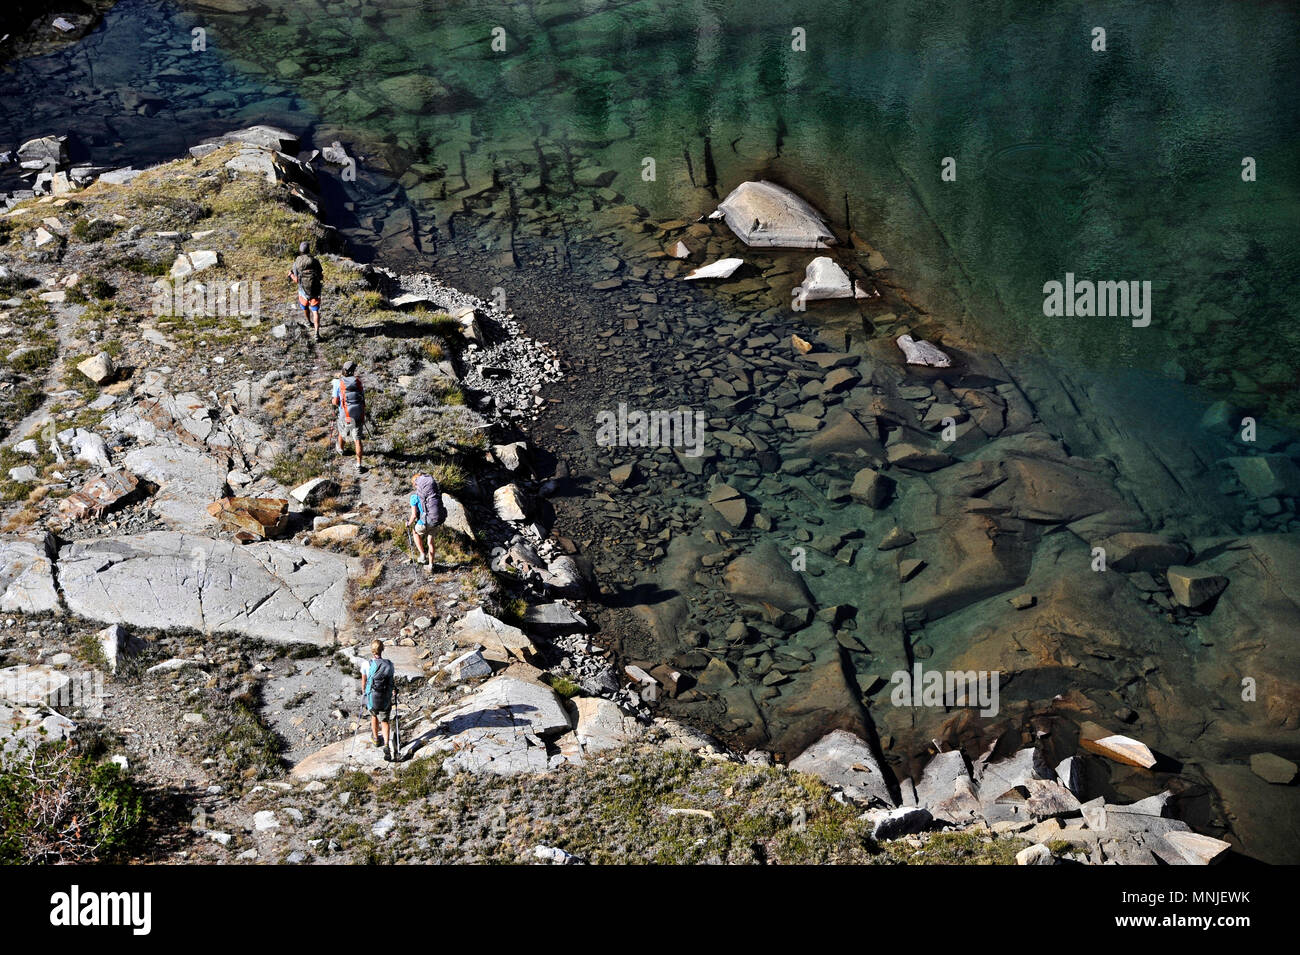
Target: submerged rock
[
  {"x": 721, "y": 269},
  {"x": 922, "y": 353},
  {"x": 1195, "y": 586},
  {"x": 824, "y": 279},
  {"x": 765, "y": 214}
]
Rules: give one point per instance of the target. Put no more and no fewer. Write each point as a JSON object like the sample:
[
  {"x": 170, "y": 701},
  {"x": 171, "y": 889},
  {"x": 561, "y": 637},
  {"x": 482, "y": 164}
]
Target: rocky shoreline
[{"x": 202, "y": 408}]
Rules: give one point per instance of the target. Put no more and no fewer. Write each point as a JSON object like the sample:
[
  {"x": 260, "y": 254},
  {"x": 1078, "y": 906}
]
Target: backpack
[
  {"x": 308, "y": 270},
  {"x": 380, "y": 688},
  {"x": 430, "y": 497},
  {"x": 352, "y": 400}
]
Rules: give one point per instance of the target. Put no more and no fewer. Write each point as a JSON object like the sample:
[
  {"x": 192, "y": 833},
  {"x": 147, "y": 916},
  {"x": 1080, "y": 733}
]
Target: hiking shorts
[
  {"x": 421, "y": 529},
  {"x": 381, "y": 714},
  {"x": 351, "y": 430},
  {"x": 312, "y": 303}
]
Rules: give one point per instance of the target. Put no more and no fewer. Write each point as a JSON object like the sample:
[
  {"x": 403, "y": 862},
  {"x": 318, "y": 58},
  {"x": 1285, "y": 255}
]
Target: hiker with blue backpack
[
  {"x": 349, "y": 397},
  {"x": 377, "y": 689},
  {"x": 426, "y": 513}
]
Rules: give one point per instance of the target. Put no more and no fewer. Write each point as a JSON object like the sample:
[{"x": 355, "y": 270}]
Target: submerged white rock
[
  {"x": 765, "y": 214},
  {"x": 721, "y": 269},
  {"x": 825, "y": 279},
  {"x": 922, "y": 353}
]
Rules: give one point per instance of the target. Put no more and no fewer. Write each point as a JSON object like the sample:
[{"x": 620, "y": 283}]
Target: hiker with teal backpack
[
  {"x": 349, "y": 396},
  {"x": 378, "y": 688},
  {"x": 427, "y": 513}
]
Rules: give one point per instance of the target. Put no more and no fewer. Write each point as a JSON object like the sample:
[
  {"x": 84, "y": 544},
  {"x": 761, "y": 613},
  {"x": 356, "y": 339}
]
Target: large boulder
[
  {"x": 1195, "y": 586},
  {"x": 842, "y": 759},
  {"x": 35, "y": 685},
  {"x": 765, "y": 214},
  {"x": 500, "y": 641},
  {"x": 27, "y": 574},
  {"x": 603, "y": 726},
  {"x": 274, "y": 590},
  {"x": 503, "y": 727}
]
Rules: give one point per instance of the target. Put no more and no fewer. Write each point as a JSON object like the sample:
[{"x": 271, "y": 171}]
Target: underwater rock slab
[{"x": 765, "y": 214}]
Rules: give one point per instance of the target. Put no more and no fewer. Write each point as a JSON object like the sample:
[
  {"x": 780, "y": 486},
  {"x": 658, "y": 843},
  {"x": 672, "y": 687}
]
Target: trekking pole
[{"x": 397, "y": 726}]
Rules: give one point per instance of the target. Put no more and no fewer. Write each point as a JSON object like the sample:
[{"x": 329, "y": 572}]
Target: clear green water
[{"x": 1123, "y": 164}]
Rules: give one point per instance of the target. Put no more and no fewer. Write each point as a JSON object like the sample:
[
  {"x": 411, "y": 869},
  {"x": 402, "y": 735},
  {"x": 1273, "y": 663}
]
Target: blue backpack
[{"x": 379, "y": 688}]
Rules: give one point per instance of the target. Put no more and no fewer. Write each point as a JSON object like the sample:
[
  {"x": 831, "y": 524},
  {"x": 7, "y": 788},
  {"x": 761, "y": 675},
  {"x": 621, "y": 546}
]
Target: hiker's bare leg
[
  {"x": 388, "y": 736},
  {"x": 357, "y": 442},
  {"x": 419, "y": 547},
  {"x": 374, "y": 726}
]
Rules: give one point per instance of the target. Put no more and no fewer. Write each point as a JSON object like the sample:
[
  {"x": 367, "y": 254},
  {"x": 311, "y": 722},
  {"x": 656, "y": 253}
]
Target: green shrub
[
  {"x": 60, "y": 807},
  {"x": 93, "y": 230}
]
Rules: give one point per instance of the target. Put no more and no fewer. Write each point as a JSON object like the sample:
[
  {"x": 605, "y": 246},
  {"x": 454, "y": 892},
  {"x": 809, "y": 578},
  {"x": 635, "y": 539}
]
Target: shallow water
[{"x": 1115, "y": 165}]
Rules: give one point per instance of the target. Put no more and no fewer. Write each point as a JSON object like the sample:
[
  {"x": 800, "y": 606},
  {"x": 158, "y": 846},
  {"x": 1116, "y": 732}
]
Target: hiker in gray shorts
[{"x": 349, "y": 397}]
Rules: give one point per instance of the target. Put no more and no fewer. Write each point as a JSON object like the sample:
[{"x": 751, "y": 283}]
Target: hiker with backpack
[
  {"x": 349, "y": 397},
  {"x": 427, "y": 513},
  {"x": 377, "y": 688},
  {"x": 306, "y": 272}
]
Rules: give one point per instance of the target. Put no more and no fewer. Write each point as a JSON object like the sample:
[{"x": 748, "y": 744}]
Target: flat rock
[
  {"x": 603, "y": 726},
  {"x": 915, "y": 457},
  {"x": 188, "y": 481},
  {"x": 281, "y": 592},
  {"x": 1272, "y": 768},
  {"x": 1122, "y": 749},
  {"x": 721, "y": 269},
  {"x": 355, "y": 753},
  {"x": 1195, "y": 848},
  {"x": 764, "y": 575},
  {"x": 1133, "y": 551},
  {"x": 190, "y": 263}
]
